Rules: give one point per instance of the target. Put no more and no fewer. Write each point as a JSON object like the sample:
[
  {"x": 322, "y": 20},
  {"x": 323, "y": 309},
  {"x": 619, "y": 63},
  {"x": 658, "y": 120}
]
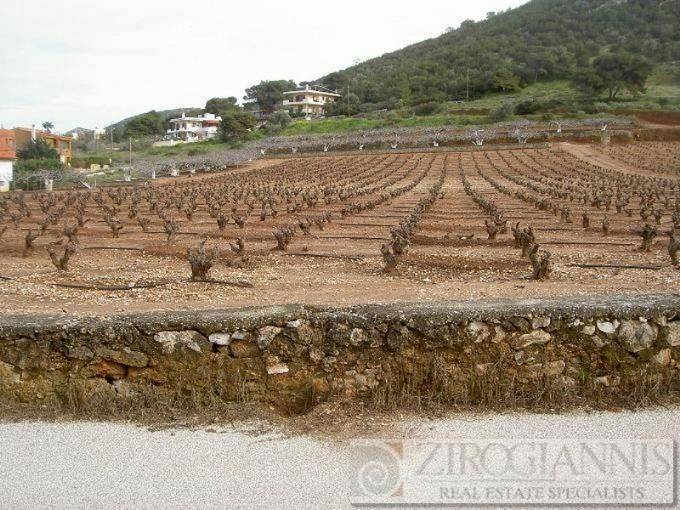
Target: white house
[
  {"x": 193, "y": 129},
  {"x": 85, "y": 134},
  {"x": 308, "y": 102},
  {"x": 6, "y": 174}
]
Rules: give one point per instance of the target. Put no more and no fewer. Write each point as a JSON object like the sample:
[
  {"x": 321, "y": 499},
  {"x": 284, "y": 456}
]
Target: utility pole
[
  {"x": 131, "y": 151},
  {"x": 111, "y": 134},
  {"x": 467, "y": 85}
]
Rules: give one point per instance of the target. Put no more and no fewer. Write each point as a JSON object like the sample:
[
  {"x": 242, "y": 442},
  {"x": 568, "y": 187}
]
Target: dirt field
[{"x": 349, "y": 204}]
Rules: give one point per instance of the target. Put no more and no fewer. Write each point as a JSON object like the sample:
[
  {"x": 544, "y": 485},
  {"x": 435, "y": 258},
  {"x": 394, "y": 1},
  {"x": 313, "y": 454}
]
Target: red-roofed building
[
  {"x": 7, "y": 157},
  {"x": 61, "y": 144}
]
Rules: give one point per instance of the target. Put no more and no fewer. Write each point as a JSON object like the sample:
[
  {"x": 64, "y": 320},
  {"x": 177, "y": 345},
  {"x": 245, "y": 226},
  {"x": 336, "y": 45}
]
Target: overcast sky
[{"x": 93, "y": 62}]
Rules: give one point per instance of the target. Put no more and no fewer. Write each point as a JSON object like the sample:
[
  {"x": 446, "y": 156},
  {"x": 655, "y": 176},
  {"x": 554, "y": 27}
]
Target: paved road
[{"x": 103, "y": 465}]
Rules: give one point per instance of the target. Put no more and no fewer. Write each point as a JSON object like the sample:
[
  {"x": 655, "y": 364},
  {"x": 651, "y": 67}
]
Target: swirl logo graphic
[{"x": 376, "y": 469}]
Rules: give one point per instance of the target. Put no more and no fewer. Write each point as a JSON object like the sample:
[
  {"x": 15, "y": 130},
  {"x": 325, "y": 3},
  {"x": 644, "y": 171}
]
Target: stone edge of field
[{"x": 537, "y": 354}]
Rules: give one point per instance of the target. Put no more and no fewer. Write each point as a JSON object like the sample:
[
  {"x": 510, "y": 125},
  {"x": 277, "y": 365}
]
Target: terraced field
[
  {"x": 656, "y": 157},
  {"x": 345, "y": 229}
]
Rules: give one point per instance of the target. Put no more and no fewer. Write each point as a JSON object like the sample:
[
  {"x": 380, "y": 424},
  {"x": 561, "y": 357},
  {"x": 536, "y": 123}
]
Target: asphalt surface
[{"x": 104, "y": 465}]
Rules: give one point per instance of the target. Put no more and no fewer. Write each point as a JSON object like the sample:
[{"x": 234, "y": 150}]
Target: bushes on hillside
[
  {"x": 502, "y": 113},
  {"x": 269, "y": 93},
  {"x": 147, "y": 124},
  {"x": 539, "y": 41},
  {"x": 235, "y": 126},
  {"x": 221, "y": 105},
  {"x": 347, "y": 105},
  {"x": 278, "y": 121},
  {"x": 557, "y": 105},
  {"x": 429, "y": 108},
  {"x": 612, "y": 74}
]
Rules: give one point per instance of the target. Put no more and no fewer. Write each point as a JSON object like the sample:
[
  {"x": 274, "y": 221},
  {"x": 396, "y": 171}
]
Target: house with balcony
[
  {"x": 193, "y": 129},
  {"x": 7, "y": 157},
  {"x": 308, "y": 102}
]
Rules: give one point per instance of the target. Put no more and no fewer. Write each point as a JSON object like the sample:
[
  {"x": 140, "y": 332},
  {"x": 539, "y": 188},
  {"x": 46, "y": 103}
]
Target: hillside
[
  {"x": 542, "y": 40},
  {"x": 530, "y": 53}
]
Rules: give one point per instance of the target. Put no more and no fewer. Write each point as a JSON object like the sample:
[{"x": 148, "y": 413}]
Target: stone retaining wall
[{"x": 499, "y": 354}]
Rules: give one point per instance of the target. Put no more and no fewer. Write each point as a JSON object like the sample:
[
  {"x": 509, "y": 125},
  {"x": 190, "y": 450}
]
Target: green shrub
[
  {"x": 235, "y": 126},
  {"x": 527, "y": 107},
  {"x": 601, "y": 107},
  {"x": 368, "y": 107},
  {"x": 502, "y": 113},
  {"x": 146, "y": 124},
  {"x": 427, "y": 108},
  {"x": 532, "y": 106},
  {"x": 33, "y": 165},
  {"x": 37, "y": 149},
  {"x": 391, "y": 118},
  {"x": 588, "y": 108},
  {"x": 278, "y": 121}
]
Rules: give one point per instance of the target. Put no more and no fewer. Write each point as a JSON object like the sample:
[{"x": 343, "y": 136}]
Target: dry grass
[{"x": 428, "y": 387}]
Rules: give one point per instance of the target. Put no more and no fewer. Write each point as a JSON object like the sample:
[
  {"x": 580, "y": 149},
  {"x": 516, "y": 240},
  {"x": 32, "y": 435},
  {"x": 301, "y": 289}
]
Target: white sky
[{"x": 93, "y": 62}]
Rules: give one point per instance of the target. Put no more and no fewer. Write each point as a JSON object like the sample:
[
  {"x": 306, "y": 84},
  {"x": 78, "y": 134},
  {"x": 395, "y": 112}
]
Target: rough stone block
[
  {"x": 636, "y": 336},
  {"x": 479, "y": 331},
  {"x": 220, "y": 339},
  {"x": 606, "y": 327},
  {"x": 266, "y": 335},
  {"x": 536, "y": 337},
  {"x": 673, "y": 334},
  {"x": 191, "y": 340}
]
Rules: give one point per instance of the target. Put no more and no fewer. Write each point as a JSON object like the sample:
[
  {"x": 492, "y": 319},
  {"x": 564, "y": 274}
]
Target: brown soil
[
  {"x": 653, "y": 118},
  {"x": 341, "y": 264}
]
